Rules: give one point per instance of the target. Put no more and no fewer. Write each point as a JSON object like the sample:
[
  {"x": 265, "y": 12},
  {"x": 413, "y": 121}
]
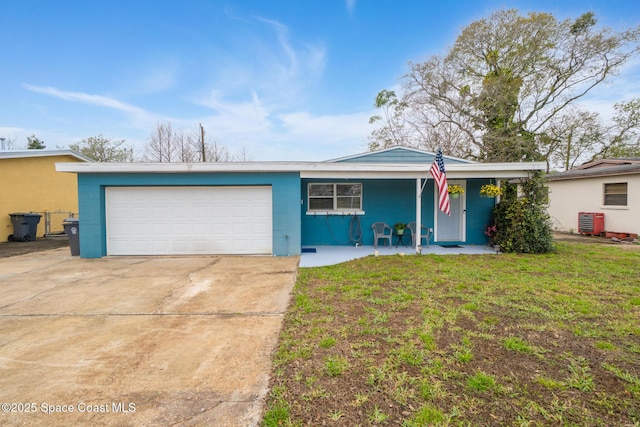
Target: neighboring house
[
  {"x": 30, "y": 183},
  {"x": 609, "y": 186},
  {"x": 276, "y": 207}
]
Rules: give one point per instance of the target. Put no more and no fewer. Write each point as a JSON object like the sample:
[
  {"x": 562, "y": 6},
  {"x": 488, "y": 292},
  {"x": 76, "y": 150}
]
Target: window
[
  {"x": 335, "y": 197},
  {"x": 615, "y": 194}
]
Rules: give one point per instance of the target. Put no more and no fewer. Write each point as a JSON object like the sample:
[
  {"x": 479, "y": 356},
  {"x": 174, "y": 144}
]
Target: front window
[
  {"x": 615, "y": 194},
  {"x": 335, "y": 197}
]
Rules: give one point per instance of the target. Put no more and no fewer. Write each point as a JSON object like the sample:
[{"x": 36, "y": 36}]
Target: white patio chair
[
  {"x": 381, "y": 231},
  {"x": 424, "y": 233}
]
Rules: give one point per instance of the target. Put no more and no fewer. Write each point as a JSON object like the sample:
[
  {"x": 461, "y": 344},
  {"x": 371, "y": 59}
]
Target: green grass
[{"x": 463, "y": 340}]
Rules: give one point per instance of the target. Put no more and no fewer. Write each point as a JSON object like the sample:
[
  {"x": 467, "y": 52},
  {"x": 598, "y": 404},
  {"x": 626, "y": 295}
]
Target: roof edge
[
  {"x": 305, "y": 168},
  {"x": 21, "y": 154}
]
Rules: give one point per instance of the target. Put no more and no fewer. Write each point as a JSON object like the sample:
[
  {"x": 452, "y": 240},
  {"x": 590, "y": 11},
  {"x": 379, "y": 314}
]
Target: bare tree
[
  {"x": 242, "y": 155},
  {"x": 8, "y": 144},
  {"x": 169, "y": 145},
  {"x": 494, "y": 96},
  {"x": 216, "y": 152},
  {"x": 160, "y": 147}
]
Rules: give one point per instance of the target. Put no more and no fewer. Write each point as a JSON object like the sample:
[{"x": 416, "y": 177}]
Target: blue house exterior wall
[
  {"x": 285, "y": 195},
  {"x": 390, "y": 201}
]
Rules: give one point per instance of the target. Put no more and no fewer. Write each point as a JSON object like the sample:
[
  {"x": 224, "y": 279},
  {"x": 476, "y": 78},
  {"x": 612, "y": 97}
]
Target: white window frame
[
  {"x": 334, "y": 210},
  {"x": 605, "y": 193}
]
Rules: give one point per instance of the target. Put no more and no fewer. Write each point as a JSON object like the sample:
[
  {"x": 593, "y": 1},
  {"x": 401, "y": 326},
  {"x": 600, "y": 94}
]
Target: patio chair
[
  {"x": 381, "y": 231},
  {"x": 424, "y": 233}
]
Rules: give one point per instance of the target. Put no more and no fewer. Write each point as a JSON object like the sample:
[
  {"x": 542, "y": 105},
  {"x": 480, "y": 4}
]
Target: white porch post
[{"x": 418, "y": 215}]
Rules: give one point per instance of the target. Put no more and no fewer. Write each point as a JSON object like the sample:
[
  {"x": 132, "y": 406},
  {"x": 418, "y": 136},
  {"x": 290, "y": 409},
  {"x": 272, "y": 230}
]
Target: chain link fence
[{"x": 53, "y": 220}]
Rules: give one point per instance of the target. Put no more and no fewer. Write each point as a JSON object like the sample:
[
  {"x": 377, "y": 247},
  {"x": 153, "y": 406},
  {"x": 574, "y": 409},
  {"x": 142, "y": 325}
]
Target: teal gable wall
[
  {"x": 398, "y": 155},
  {"x": 285, "y": 195}
]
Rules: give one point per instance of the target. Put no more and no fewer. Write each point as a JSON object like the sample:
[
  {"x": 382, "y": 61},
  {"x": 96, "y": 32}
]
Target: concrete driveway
[{"x": 139, "y": 341}]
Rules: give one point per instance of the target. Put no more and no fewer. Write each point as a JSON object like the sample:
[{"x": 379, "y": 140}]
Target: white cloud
[{"x": 137, "y": 114}]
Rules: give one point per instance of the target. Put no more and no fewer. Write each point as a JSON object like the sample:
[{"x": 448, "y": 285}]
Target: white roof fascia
[
  {"x": 20, "y": 154},
  {"x": 314, "y": 169}
]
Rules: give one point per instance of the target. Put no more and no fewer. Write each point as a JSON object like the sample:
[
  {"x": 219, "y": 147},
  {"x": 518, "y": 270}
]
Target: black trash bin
[
  {"x": 25, "y": 226},
  {"x": 72, "y": 229}
]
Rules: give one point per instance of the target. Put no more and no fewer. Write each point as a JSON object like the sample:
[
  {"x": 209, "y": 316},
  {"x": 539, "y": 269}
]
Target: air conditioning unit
[{"x": 591, "y": 223}]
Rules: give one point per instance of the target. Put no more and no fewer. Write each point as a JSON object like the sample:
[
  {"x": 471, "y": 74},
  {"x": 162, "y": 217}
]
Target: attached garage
[{"x": 187, "y": 220}]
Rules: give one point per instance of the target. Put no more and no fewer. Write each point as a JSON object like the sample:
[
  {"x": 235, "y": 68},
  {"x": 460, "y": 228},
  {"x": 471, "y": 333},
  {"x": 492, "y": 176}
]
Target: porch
[{"x": 318, "y": 256}]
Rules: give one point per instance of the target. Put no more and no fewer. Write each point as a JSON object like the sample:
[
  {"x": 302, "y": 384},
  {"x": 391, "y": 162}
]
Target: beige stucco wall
[
  {"x": 31, "y": 184},
  {"x": 569, "y": 197}
]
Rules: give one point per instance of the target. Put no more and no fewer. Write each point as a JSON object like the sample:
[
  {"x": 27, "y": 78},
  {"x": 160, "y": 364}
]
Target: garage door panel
[{"x": 189, "y": 220}]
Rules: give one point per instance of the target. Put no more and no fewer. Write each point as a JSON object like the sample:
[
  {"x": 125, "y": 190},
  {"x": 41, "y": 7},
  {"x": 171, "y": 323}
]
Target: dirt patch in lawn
[
  {"x": 8, "y": 249},
  {"x": 463, "y": 340}
]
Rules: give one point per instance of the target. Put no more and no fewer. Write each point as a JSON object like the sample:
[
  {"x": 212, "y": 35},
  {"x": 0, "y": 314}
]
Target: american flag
[{"x": 439, "y": 175}]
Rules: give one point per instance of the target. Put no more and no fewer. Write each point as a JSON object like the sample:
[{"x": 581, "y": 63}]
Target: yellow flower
[
  {"x": 490, "y": 190},
  {"x": 455, "y": 189}
]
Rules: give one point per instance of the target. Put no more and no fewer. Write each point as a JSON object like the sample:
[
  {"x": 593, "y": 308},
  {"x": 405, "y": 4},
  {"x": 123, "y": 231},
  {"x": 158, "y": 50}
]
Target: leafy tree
[
  {"x": 103, "y": 149},
  {"x": 34, "y": 143},
  {"x": 495, "y": 94},
  {"x": 622, "y": 138},
  {"x": 580, "y": 136},
  {"x": 572, "y": 138},
  {"x": 392, "y": 133}
]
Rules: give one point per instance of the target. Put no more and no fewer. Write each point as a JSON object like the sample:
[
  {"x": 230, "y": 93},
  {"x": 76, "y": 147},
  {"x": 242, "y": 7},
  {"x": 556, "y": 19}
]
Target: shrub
[{"x": 523, "y": 224}]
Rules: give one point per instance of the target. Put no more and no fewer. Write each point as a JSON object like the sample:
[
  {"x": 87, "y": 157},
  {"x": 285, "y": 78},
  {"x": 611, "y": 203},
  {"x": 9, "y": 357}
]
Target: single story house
[
  {"x": 276, "y": 208},
  {"x": 608, "y": 186},
  {"x": 30, "y": 183}
]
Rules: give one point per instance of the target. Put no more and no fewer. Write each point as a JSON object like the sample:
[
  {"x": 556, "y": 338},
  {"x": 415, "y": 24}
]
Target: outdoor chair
[
  {"x": 381, "y": 231},
  {"x": 424, "y": 233}
]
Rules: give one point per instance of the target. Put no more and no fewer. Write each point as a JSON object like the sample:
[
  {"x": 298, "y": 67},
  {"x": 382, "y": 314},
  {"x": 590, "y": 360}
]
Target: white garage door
[{"x": 188, "y": 220}]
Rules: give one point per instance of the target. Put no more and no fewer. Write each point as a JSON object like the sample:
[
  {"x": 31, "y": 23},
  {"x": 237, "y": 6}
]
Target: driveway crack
[{"x": 179, "y": 289}]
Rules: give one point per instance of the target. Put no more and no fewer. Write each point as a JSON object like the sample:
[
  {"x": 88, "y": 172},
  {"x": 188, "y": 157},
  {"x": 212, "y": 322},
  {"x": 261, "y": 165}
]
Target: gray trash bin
[
  {"x": 25, "y": 226},
  {"x": 72, "y": 229}
]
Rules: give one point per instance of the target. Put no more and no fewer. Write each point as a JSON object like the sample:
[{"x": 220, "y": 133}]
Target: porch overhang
[{"x": 316, "y": 169}]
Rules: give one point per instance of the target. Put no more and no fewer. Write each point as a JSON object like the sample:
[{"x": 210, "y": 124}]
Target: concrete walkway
[
  {"x": 144, "y": 341},
  {"x": 329, "y": 255}
]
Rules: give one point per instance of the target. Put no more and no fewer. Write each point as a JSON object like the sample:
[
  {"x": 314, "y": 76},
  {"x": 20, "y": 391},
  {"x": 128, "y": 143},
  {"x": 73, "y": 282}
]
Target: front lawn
[{"x": 479, "y": 340}]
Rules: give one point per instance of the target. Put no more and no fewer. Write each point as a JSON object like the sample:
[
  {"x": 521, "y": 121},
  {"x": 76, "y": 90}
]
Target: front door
[{"x": 451, "y": 228}]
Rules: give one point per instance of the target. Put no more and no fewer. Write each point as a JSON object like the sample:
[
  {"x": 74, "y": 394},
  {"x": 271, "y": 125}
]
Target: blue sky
[{"x": 284, "y": 80}]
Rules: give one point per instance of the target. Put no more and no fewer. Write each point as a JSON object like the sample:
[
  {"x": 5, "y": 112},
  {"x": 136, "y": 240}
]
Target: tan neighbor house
[
  {"x": 608, "y": 186},
  {"x": 30, "y": 183}
]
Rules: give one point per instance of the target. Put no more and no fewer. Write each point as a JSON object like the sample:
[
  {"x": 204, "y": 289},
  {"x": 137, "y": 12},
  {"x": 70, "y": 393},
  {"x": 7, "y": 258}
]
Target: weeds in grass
[
  {"x": 377, "y": 416},
  {"x": 427, "y": 333},
  {"x": 327, "y": 342},
  {"x": 411, "y": 355},
  {"x": 580, "y": 377},
  {"x": 481, "y": 381},
  {"x": 517, "y": 344},
  {"x": 335, "y": 415},
  {"x": 633, "y": 381},
  {"x": 427, "y": 415},
  {"x": 361, "y": 399},
  {"x": 550, "y": 383},
  {"x": 336, "y": 365},
  {"x": 605, "y": 345},
  {"x": 277, "y": 413}
]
